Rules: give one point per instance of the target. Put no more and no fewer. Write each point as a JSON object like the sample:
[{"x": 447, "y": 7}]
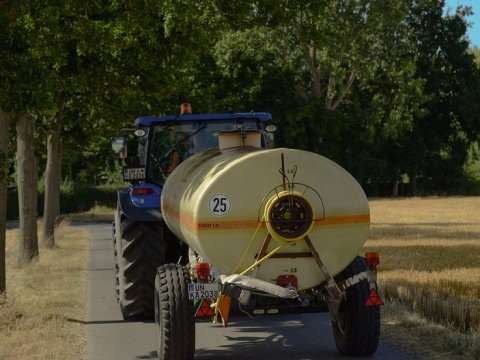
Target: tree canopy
[{"x": 389, "y": 89}]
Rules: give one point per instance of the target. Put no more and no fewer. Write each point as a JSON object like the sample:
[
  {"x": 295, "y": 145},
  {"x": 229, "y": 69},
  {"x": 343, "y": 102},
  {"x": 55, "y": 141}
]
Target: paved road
[{"x": 306, "y": 336}]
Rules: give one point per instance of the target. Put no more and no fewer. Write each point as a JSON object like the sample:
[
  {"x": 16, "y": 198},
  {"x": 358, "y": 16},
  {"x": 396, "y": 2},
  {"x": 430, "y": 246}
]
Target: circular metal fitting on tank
[{"x": 289, "y": 216}]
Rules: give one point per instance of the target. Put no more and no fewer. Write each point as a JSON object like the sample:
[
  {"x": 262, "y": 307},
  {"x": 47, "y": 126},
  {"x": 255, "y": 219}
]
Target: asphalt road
[{"x": 305, "y": 336}]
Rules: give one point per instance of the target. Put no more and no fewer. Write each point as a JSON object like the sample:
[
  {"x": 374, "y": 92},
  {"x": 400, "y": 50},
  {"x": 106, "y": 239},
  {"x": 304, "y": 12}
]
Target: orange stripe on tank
[
  {"x": 252, "y": 224},
  {"x": 182, "y": 218},
  {"x": 210, "y": 225}
]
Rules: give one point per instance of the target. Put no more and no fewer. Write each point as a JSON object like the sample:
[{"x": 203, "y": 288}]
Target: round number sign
[{"x": 219, "y": 204}]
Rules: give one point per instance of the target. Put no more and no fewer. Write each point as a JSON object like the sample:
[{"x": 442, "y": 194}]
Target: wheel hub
[{"x": 290, "y": 217}]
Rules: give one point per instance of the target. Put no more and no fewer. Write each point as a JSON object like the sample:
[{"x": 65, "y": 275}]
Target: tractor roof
[{"x": 153, "y": 120}]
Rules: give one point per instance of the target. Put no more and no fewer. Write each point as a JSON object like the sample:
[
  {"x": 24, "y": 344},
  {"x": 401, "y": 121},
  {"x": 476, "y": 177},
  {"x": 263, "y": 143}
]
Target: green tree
[
  {"x": 102, "y": 62},
  {"x": 24, "y": 92},
  {"x": 476, "y": 52},
  {"x": 317, "y": 66},
  {"x": 27, "y": 162},
  {"x": 63, "y": 39},
  {"x": 334, "y": 42},
  {"x": 441, "y": 138},
  {"x": 4, "y": 24},
  {"x": 3, "y": 195}
]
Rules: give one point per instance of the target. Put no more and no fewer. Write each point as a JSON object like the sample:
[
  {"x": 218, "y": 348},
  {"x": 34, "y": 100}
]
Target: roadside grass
[
  {"x": 96, "y": 213},
  {"x": 42, "y": 297},
  {"x": 430, "y": 271}
]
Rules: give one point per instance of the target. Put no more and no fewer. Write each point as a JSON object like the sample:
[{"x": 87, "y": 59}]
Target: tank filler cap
[{"x": 240, "y": 138}]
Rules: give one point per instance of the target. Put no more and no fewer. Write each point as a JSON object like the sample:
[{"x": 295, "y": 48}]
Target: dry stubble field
[{"x": 430, "y": 271}]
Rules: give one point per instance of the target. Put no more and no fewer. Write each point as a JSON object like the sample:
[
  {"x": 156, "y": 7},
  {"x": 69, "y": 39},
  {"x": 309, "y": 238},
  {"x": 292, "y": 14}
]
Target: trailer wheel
[
  {"x": 358, "y": 327},
  {"x": 174, "y": 316},
  {"x": 141, "y": 249}
]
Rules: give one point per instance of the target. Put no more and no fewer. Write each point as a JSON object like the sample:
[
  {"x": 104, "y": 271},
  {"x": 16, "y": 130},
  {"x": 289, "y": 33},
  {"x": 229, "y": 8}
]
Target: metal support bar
[
  {"x": 332, "y": 287},
  {"x": 263, "y": 250},
  {"x": 245, "y": 295}
]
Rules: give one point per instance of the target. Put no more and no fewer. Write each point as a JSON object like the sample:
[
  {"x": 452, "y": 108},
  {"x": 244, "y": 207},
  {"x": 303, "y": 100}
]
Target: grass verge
[
  {"x": 42, "y": 297},
  {"x": 96, "y": 213}
]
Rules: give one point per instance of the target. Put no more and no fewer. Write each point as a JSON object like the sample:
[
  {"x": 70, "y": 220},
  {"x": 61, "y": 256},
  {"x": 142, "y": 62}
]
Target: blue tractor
[{"x": 142, "y": 241}]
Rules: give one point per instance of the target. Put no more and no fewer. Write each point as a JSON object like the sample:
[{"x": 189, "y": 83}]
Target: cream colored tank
[{"x": 228, "y": 205}]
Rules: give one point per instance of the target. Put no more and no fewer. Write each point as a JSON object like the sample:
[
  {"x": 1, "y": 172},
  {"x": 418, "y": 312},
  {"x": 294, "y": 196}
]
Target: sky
[{"x": 474, "y": 30}]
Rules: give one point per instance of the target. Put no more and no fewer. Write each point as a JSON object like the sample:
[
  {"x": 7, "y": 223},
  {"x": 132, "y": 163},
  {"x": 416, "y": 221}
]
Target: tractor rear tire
[
  {"x": 357, "y": 329},
  {"x": 174, "y": 317},
  {"x": 141, "y": 252},
  {"x": 115, "y": 263}
]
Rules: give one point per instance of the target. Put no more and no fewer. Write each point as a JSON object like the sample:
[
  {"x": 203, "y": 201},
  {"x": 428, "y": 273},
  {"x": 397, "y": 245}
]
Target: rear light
[
  {"x": 142, "y": 191},
  {"x": 287, "y": 281},
  {"x": 372, "y": 258},
  {"x": 203, "y": 270}
]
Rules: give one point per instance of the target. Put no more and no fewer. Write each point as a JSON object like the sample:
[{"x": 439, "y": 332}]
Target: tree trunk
[
  {"x": 413, "y": 183},
  {"x": 3, "y": 196},
  {"x": 53, "y": 176},
  {"x": 309, "y": 54},
  {"x": 27, "y": 189},
  {"x": 395, "y": 185}
]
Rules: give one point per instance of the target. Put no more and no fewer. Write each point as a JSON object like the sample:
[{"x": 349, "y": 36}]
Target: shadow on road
[
  {"x": 306, "y": 336},
  {"x": 151, "y": 355},
  {"x": 99, "y": 322},
  {"x": 287, "y": 337}
]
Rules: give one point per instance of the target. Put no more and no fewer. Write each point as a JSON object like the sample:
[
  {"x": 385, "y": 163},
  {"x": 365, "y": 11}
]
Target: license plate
[
  {"x": 133, "y": 173},
  {"x": 203, "y": 291}
]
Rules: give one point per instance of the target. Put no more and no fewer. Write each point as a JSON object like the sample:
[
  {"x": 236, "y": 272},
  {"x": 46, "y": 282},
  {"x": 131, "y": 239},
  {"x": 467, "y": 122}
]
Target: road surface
[{"x": 305, "y": 336}]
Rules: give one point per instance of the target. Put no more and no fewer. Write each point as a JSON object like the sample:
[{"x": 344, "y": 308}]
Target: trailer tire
[
  {"x": 357, "y": 330},
  {"x": 140, "y": 251},
  {"x": 174, "y": 317}
]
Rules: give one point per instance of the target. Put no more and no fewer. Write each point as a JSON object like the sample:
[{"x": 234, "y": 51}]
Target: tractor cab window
[{"x": 171, "y": 144}]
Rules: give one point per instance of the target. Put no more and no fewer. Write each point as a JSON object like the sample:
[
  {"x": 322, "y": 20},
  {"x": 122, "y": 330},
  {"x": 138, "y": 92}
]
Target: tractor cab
[{"x": 165, "y": 141}]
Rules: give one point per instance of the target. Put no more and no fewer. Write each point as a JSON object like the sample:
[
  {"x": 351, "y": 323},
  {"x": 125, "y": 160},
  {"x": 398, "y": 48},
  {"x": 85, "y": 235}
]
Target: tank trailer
[{"x": 218, "y": 223}]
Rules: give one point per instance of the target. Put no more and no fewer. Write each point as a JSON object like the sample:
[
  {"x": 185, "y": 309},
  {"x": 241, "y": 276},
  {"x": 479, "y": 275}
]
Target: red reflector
[
  {"x": 203, "y": 270},
  {"x": 204, "y": 309},
  {"x": 142, "y": 191},
  {"x": 374, "y": 299},
  {"x": 372, "y": 258}
]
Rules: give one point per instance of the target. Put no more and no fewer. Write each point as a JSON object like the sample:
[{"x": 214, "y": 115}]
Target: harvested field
[{"x": 430, "y": 266}]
